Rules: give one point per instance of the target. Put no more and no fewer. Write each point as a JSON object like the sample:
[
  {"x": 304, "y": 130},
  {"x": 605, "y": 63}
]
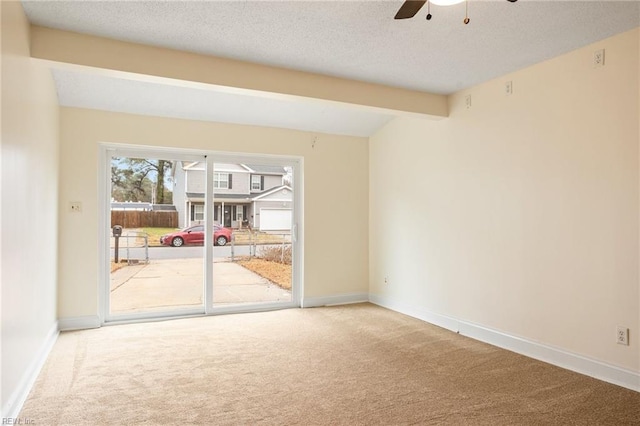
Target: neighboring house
[
  {"x": 244, "y": 195},
  {"x": 140, "y": 206},
  {"x": 130, "y": 206}
]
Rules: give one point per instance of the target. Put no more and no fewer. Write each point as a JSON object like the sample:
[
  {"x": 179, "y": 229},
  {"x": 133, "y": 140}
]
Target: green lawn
[{"x": 156, "y": 233}]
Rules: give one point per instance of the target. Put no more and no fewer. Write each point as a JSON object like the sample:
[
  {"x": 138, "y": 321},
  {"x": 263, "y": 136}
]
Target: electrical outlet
[
  {"x": 508, "y": 87},
  {"x": 622, "y": 336},
  {"x": 467, "y": 101},
  {"x": 598, "y": 58},
  {"x": 75, "y": 206}
]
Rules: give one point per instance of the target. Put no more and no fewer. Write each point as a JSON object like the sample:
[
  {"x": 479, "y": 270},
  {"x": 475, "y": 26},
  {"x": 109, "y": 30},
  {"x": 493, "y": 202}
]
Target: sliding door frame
[
  {"x": 109, "y": 151},
  {"x": 106, "y": 151},
  {"x": 297, "y": 231}
]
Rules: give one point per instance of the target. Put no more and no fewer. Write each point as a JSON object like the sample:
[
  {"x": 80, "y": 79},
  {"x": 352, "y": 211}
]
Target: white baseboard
[
  {"x": 12, "y": 407},
  {"x": 416, "y": 312},
  {"x": 79, "y": 323},
  {"x": 549, "y": 354},
  {"x": 339, "y": 299}
]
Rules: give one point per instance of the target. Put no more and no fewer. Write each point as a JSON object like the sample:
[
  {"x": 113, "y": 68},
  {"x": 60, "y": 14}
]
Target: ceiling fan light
[{"x": 445, "y": 2}]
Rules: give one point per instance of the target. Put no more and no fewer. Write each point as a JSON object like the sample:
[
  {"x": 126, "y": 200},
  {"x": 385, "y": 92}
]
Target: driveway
[{"x": 177, "y": 283}]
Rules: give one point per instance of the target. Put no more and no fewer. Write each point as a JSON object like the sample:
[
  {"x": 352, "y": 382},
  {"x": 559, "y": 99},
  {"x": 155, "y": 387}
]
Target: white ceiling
[
  {"x": 358, "y": 40},
  {"x": 112, "y": 94}
]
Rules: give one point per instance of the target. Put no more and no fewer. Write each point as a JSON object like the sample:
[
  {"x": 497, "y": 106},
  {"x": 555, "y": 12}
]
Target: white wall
[
  {"x": 520, "y": 214},
  {"x": 29, "y": 208},
  {"x": 335, "y": 263}
]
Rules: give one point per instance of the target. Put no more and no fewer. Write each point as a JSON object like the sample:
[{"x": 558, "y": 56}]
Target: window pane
[
  {"x": 198, "y": 212},
  {"x": 255, "y": 182},
  {"x": 221, "y": 180}
]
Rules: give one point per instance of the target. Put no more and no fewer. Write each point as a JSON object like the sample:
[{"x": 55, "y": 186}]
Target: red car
[{"x": 194, "y": 235}]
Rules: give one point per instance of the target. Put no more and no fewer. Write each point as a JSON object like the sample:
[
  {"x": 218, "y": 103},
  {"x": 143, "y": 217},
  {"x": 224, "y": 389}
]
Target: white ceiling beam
[{"x": 149, "y": 63}]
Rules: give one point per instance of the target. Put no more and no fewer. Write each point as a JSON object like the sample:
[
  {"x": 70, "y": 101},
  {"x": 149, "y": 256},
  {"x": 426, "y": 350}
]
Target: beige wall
[
  {"x": 29, "y": 206},
  {"x": 335, "y": 195},
  {"x": 522, "y": 211}
]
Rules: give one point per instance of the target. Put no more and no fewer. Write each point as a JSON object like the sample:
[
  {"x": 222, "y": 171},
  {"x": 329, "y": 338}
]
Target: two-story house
[{"x": 244, "y": 195}]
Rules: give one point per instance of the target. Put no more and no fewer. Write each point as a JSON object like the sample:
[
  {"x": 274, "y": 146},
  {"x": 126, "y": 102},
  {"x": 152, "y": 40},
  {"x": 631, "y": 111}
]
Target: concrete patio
[{"x": 177, "y": 283}]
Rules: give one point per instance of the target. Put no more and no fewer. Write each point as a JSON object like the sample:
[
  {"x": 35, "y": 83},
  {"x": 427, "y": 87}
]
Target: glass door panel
[
  {"x": 253, "y": 206},
  {"x": 157, "y": 234}
]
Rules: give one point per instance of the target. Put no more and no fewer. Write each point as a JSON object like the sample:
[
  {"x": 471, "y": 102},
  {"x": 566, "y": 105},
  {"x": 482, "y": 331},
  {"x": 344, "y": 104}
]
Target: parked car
[{"x": 194, "y": 235}]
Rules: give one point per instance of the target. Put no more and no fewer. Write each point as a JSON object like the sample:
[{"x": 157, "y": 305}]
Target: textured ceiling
[
  {"x": 353, "y": 39},
  {"x": 120, "y": 95}
]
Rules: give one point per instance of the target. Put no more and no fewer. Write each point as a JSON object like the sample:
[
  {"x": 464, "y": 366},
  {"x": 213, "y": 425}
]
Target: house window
[
  {"x": 198, "y": 212},
  {"x": 256, "y": 182},
  {"x": 221, "y": 181}
]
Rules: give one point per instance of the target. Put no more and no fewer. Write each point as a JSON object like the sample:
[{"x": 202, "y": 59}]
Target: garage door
[{"x": 275, "y": 219}]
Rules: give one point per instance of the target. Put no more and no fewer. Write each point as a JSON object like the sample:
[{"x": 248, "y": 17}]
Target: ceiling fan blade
[{"x": 409, "y": 9}]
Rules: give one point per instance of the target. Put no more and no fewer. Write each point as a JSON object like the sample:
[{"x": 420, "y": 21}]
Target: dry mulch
[
  {"x": 275, "y": 272},
  {"x": 115, "y": 266}
]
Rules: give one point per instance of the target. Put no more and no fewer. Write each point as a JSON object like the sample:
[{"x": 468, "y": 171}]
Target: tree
[
  {"x": 136, "y": 179},
  {"x": 161, "y": 166}
]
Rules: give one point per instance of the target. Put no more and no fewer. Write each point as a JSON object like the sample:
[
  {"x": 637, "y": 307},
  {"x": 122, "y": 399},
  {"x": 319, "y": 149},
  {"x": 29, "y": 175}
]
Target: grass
[{"x": 155, "y": 234}]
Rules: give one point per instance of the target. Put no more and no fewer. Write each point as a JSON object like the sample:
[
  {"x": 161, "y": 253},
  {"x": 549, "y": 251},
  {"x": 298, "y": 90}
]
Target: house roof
[
  {"x": 163, "y": 207},
  {"x": 130, "y": 205},
  {"x": 192, "y": 165},
  {"x": 266, "y": 170},
  {"x": 237, "y": 168},
  {"x": 233, "y": 167},
  {"x": 141, "y": 205},
  {"x": 199, "y": 196},
  {"x": 271, "y": 191}
]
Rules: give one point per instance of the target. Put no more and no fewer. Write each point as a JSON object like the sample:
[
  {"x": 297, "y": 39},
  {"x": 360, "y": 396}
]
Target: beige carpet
[{"x": 347, "y": 365}]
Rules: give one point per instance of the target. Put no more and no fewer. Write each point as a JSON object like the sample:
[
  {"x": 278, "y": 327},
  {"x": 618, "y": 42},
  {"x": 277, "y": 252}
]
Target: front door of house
[{"x": 227, "y": 216}]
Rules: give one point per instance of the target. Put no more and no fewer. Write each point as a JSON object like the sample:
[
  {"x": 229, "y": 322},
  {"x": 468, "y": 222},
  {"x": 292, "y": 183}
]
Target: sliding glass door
[{"x": 188, "y": 233}]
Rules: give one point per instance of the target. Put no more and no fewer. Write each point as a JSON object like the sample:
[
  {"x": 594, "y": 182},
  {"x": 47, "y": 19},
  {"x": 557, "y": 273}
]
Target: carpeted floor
[{"x": 344, "y": 365}]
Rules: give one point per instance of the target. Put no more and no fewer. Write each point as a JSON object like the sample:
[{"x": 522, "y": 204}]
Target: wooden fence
[{"x": 144, "y": 219}]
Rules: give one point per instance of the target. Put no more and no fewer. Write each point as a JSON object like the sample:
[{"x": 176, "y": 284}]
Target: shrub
[{"x": 280, "y": 254}]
